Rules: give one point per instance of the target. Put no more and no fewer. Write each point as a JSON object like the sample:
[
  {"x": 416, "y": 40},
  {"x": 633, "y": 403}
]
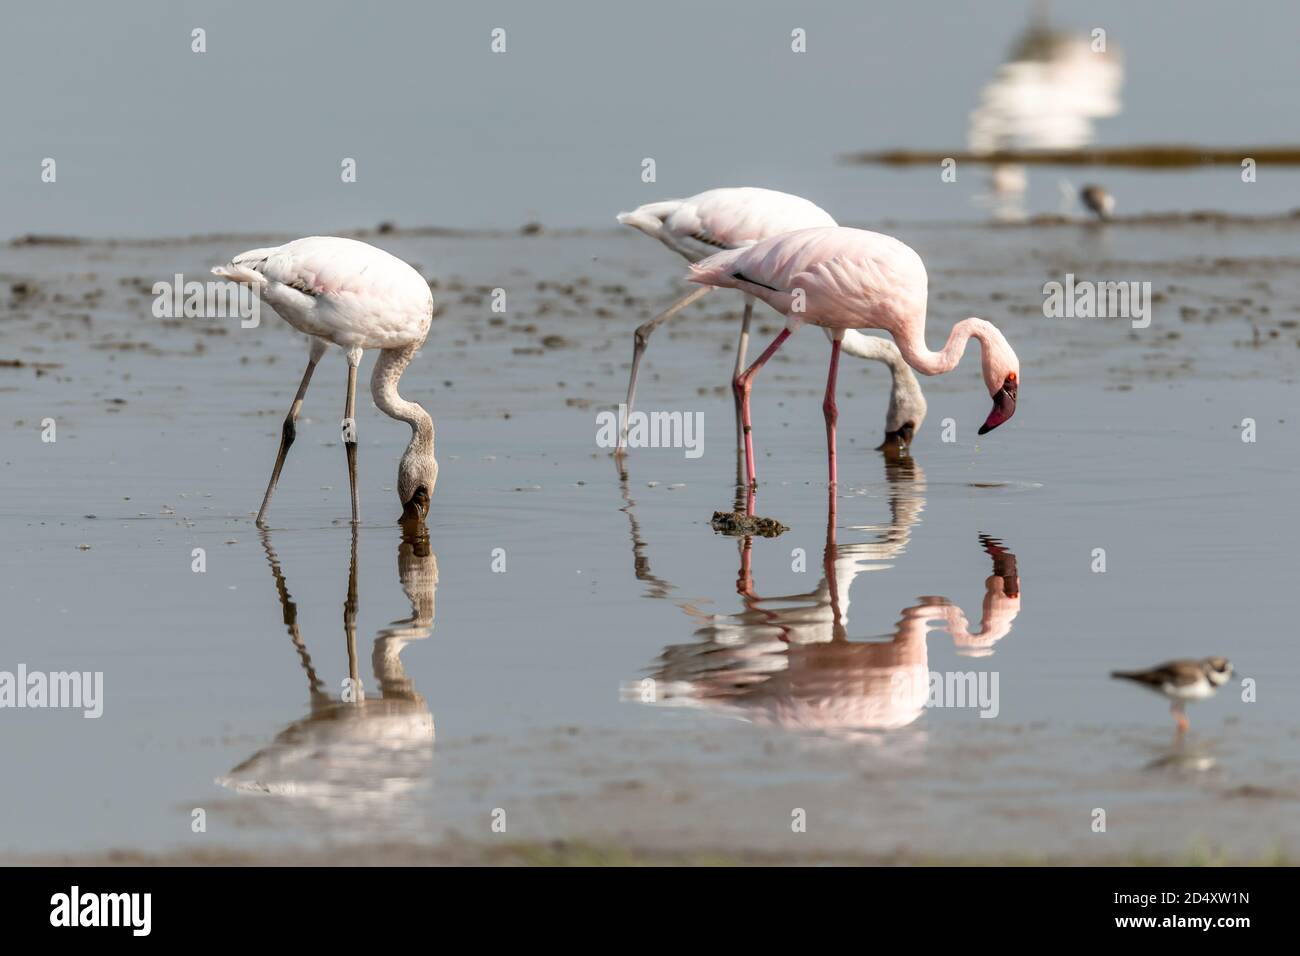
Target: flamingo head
[
  {"x": 416, "y": 476},
  {"x": 1001, "y": 370},
  {"x": 898, "y": 439},
  {"x": 907, "y": 408}
]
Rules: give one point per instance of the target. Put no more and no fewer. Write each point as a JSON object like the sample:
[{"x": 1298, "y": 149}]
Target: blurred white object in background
[{"x": 1045, "y": 97}]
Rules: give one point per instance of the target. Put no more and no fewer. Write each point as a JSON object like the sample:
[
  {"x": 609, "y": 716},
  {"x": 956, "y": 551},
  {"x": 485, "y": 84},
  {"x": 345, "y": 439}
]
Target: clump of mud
[{"x": 739, "y": 523}]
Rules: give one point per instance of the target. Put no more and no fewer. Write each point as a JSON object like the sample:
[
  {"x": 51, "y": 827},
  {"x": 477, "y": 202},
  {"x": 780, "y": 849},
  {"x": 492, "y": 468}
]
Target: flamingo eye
[{"x": 1011, "y": 376}]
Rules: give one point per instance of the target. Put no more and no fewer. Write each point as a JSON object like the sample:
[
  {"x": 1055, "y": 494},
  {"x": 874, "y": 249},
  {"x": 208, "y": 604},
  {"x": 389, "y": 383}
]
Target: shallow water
[{"x": 787, "y": 674}]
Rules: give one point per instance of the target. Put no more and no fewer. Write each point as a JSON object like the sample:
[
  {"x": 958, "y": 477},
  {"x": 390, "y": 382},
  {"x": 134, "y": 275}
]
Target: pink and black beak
[{"x": 1004, "y": 405}]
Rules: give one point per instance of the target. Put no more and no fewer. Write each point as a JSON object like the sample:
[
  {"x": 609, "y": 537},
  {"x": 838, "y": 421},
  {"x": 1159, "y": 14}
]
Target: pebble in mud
[{"x": 738, "y": 523}]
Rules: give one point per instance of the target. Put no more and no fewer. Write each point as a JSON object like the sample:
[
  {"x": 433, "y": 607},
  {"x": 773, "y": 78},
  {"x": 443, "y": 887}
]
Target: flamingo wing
[
  {"x": 849, "y": 277},
  {"x": 349, "y": 292},
  {"x": 331, "y": 265},
  {"x": 730, "y": 218},
  {"x": 736, "y": 217}
]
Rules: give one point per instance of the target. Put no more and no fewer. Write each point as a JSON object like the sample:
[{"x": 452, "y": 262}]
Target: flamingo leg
[
  {"x": 745, "y": 579},
  {"x": 740, "y": 481},
  {"x": 350, "y": 431},
  {"x": 742, "y": 347},
  {"x": 829, "y": 572},
  {"x": 350, "y": 623},
  {"x": 641, "y": 339},
  {"x": 744, "y": 386},
  {"x": 831, "y": 412},
  {"x": 288, "y": 431}
]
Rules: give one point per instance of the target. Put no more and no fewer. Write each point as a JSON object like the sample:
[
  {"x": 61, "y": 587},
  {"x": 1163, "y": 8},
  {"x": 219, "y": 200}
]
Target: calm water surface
[{"x": 787, "y": 673}]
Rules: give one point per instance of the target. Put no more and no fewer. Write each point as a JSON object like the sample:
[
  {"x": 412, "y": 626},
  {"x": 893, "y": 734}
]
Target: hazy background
[{"x": 152, "y": 139}]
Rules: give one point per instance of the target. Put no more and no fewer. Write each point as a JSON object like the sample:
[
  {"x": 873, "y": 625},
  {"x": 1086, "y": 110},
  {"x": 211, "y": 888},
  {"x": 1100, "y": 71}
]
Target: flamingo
[
  {"x": 733, "y": 218},
  {"x": 348, "y": 293},
  {"x": 844, "y": 279}
]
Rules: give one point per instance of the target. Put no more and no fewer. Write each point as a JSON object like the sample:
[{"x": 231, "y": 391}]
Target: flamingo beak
[
  {"x": 1004, "y": 406},
  {"x": 417, "y": 507},
  {"x": 898, "y": 440}
]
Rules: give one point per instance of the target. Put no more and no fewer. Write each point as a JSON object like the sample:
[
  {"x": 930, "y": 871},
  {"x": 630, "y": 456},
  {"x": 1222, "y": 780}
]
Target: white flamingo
[
  {"x": 734, "y": 218},
  {"x": 350, "y": 294}
]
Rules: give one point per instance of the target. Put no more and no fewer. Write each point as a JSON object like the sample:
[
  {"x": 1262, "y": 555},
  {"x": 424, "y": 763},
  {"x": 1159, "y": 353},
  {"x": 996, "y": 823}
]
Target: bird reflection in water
[
  {"x": 353, "y": 752},
  {"x": 788, "y": 660}
]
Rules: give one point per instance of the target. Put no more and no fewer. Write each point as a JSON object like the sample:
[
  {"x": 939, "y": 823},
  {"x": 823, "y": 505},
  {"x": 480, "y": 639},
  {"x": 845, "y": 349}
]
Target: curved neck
[
  {"x": 383, "y": 387},
  {"x": 919, "y": 356},
  {"x": 906, "y": 395}
]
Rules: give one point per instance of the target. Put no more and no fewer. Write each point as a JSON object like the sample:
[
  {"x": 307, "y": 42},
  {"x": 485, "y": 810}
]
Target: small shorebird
[
  {"x": 1182, "y": 681},
  {"x": 845, "y": 279},
  {"x": 350, "y": 294},
  {"x": 1097, "y": 199},
  {"x": 733, "y": 218}
]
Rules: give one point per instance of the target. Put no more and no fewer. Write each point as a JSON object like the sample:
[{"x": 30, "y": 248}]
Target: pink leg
[
  {"x": 832, "y": 413},
  {"x": 743, "y": 386},
  {"x": 828, "y": 569},
  {"x": 1180, "y": 717},
  {"x": 745, "y": 580}
]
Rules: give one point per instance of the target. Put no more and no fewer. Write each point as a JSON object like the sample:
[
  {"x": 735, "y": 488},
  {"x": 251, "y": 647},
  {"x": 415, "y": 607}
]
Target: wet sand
[{"x": 520, "y": 690}]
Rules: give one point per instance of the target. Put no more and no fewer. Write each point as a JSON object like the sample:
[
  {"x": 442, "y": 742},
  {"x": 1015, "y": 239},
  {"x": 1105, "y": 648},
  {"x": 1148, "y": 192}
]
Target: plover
[
  {"x": 1182, "y": 681},
  {"x": 1098, "y": 200}
]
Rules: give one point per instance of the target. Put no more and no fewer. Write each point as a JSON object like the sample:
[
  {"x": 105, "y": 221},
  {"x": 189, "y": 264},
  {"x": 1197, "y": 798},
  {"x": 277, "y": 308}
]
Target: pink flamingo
[
  {"x": 736, "y": 217},
  {"x": 845, "y": 279}
]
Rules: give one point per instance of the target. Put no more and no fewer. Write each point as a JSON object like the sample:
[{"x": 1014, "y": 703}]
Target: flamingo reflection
[
  {"x": 353, "y": 751},
  {"x": 787, "y": 660}
]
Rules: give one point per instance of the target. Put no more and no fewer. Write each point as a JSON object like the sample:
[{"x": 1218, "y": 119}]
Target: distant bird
[
  {"x": 732, "y": 218},
  {"x": 1098, "y": 200},
  {"x": 350, "y": 294},
  {"x": 1182, "y": 681},
  {"x": 844, "y": 279}
]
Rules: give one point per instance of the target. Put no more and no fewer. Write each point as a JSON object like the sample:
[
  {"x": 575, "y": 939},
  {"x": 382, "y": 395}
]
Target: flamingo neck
[
  {"x": 383, "y": 388},
  {"x": 919, "y": 356},
  {"x": 905, "y": 397}
]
